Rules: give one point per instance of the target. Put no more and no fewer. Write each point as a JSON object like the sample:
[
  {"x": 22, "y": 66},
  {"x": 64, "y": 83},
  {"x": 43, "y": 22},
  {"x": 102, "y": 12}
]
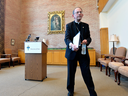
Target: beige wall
[
  {"x": 34, "y": 17},
  {"x": 12, "y": 23}
]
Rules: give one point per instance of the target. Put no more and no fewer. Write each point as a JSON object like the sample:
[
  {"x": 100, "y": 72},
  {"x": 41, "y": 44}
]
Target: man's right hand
[{"x": 74, "y": 48}]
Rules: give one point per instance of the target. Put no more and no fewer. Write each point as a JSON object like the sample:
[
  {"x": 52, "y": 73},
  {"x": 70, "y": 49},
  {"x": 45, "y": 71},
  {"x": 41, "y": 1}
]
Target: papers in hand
[{"x": 76, "y": 39}]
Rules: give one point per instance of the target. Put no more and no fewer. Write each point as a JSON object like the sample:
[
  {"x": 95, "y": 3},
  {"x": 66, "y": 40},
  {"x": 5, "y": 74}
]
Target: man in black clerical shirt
[{"x": 73, "y": 54}]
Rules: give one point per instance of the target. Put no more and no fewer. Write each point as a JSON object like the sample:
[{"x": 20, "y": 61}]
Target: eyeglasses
[{"x": 78, "y": 12}]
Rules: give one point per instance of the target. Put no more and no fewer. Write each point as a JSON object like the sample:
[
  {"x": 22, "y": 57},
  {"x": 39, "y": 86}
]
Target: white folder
[{"x": 76, "y": 39}]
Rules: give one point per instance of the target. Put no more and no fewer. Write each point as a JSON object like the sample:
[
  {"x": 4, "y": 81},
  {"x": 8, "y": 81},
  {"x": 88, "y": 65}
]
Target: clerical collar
[{"x": 77, "y": 22}]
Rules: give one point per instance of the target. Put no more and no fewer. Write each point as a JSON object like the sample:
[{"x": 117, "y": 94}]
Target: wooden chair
[
  {"x": 121, "y": 51},
  {"x": 105, "y": 55},
  {"x": 114, "y": 65},
  {"x": 4, "y": 60},
  {"x": 14, "y": 57},
  {"x": 123, "y": 70}
]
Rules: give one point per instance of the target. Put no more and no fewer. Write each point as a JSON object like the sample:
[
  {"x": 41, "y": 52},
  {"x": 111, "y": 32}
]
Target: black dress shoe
[{"x": 70, "y": 93}]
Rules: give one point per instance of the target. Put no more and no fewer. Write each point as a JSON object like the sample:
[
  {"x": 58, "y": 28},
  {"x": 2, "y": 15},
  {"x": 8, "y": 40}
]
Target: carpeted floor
[{"x": 13, "y": 83}]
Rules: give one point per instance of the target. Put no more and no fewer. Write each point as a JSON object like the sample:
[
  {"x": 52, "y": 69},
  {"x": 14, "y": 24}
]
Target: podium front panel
[
  {"x": 35, "y": 63},
  {"x": 33, "y": 47}
]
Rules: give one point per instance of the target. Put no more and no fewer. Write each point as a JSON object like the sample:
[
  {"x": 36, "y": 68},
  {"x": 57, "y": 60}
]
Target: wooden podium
[{"x": 35, "y": 60}]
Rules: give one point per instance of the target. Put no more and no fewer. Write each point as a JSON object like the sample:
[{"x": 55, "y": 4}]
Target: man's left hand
[{"x": 84, "y": 41}]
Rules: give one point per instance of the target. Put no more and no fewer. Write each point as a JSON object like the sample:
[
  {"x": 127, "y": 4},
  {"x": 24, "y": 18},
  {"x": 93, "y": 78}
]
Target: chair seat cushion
[
  {"x": 105, "y": 62},
  {"x": 123, "y": 70},
  {"x": 126, "y": 62},
  {"x": 3, "y": 60},
  {"x": 115, "y": 65},
  {"x": 15, "y": 58}
]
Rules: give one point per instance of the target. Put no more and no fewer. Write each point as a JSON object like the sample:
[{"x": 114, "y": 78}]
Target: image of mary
[{"x": 55, "y": 22}]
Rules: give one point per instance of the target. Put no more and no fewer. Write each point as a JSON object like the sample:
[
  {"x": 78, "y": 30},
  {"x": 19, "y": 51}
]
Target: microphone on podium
[{"x": 28, "y": 39}]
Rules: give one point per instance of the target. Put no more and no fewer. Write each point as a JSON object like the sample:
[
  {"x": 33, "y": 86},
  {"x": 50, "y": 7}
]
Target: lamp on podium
[
  {"x": 37, "y": 38},
  {"x": 113, "y": 39}
]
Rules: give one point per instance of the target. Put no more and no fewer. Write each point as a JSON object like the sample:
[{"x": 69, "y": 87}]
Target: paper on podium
[{"x": 76, "y": 39}]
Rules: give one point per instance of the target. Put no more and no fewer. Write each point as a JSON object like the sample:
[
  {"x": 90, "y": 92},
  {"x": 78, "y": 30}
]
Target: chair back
[
  {"x": 111, "y": 51},
  {"x": 126, "y": 61},
  {"x": 8, "y": 51},
  {"x": 121, "y": 51}
]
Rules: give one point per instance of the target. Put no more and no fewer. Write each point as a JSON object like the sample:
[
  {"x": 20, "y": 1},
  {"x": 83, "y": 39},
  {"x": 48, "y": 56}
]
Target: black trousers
[{"x": 84, "y": 62}]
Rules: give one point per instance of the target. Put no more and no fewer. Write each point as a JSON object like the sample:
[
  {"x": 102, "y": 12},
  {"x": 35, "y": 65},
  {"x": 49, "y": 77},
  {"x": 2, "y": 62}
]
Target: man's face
[{"x": 78, "y": 14}]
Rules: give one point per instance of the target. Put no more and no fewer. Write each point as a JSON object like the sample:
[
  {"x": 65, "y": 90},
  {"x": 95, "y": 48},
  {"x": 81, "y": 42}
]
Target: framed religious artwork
[{"x": 56, "y": 22}]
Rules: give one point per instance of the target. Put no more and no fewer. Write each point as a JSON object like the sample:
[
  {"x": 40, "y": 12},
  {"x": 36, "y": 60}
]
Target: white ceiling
[{"x": 108, "y": 5}]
